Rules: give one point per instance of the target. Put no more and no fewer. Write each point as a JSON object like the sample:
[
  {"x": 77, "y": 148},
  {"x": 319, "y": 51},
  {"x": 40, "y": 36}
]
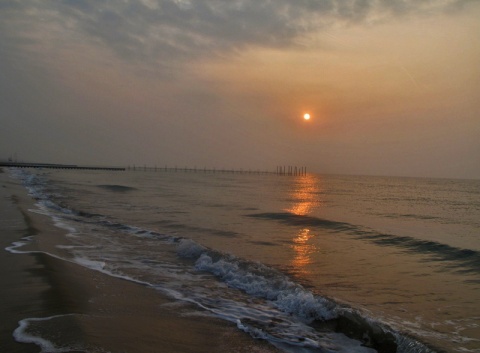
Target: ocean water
[{"x": 314, "y": 263}]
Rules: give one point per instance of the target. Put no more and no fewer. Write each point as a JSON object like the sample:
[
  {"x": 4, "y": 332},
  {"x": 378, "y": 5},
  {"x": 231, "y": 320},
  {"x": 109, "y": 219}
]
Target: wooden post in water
[{"x": 280, "y": 170}]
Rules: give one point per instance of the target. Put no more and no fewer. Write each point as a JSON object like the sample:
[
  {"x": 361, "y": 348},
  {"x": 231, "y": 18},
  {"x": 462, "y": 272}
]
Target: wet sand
[
  {"x": 23, "y": 286},
  {"x": 92, "y": 311}
]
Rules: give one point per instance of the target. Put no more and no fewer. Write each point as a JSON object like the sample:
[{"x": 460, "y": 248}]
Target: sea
[{"x": 310, "y": 263}]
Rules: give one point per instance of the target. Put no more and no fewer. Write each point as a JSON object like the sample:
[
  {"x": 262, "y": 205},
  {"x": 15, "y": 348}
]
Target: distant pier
[
  {"x": 280, "y": 170},
  {"x": 291, "y": 170},
  {"x": 56, "y": 166}
]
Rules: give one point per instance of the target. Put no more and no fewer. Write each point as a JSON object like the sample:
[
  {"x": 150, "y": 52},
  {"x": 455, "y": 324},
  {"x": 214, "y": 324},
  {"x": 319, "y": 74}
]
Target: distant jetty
[
  {"x": 280, "y": 170},
  {"x": 56, "y": 166}
]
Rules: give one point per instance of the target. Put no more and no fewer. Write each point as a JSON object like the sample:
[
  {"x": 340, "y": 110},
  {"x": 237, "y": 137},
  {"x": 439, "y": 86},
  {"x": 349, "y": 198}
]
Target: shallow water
[{"x": 311, "y": 263}]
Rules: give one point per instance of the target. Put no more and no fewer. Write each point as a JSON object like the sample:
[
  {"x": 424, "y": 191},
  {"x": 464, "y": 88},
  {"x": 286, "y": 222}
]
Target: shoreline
[
  {"x": 91, "y": 311},
  {"x": 23, "y": 284}
]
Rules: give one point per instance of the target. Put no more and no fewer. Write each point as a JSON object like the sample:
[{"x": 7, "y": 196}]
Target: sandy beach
[
  {"x": 88, "y": 310},
  {"x": 24, "y": 283}
]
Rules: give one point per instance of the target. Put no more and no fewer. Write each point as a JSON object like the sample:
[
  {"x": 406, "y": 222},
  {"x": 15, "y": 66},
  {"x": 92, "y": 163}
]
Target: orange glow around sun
[{"x": 306, "y": 116}]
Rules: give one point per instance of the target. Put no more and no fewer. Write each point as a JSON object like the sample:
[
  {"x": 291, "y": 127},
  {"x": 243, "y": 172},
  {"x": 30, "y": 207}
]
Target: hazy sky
[{"x": 393, "y": 87}]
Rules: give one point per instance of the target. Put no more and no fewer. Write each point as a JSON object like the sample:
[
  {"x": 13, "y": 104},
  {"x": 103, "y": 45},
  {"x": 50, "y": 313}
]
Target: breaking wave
[{"x": 271, "y": 306}]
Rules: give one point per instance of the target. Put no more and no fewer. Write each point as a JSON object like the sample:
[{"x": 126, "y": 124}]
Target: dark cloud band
[{"x": 172, "y": 30}]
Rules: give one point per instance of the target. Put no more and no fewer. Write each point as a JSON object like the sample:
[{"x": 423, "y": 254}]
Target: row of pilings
[
  {"x": 280, "y": 170},
  {"x": 291, "y": 170}
]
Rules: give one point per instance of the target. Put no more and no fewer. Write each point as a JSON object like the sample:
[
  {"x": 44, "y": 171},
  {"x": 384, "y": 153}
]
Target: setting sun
[{"x": 306, "y": 116}]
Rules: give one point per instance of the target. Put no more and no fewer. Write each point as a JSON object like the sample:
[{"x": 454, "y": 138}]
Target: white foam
[
  {"x": 21, "y": 335},
  {"x": 72, "y": 247},
  {"x": 285, "y": 295},
  {"x": 34, "y": 184},
  {"x": 306, "y": 340},
  {"x": 94, "y": 265},
  {"x": 189, "y": 249},
  {"x": 305, "y": 305},
  {"x": 19, "y": 244}
]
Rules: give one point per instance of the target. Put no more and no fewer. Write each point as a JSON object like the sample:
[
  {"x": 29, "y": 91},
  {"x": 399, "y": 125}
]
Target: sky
[{"x": 392, "y": 87}]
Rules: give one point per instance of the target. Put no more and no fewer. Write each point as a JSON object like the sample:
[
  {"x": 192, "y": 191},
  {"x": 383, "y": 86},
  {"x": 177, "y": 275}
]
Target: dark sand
[
  {"x": 98, "y": 313},
  {"x": 23, "y": 286}
]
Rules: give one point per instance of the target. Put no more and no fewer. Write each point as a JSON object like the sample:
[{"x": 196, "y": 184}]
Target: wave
[
  {"x": 187, "y": 228},
  {"x": 461, "y": 260},
  {"x": 323, "y": 314},
  {"x": 306, "y": 221},
  {"x": 275, "y": 308},
  {"x": 117, "y": 188}
]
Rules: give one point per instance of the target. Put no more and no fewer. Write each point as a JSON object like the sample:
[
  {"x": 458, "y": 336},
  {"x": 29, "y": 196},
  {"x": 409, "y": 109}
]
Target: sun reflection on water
[
  {"x": 303, "y": 249},
  {"x": 306, "y": 196}
]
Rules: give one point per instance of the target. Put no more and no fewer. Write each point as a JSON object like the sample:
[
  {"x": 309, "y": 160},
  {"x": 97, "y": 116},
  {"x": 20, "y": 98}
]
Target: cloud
[{"x": 169, "y": 31}]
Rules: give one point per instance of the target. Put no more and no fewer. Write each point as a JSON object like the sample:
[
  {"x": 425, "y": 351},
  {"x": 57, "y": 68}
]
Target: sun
[{"x": 306, "y": 116}]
